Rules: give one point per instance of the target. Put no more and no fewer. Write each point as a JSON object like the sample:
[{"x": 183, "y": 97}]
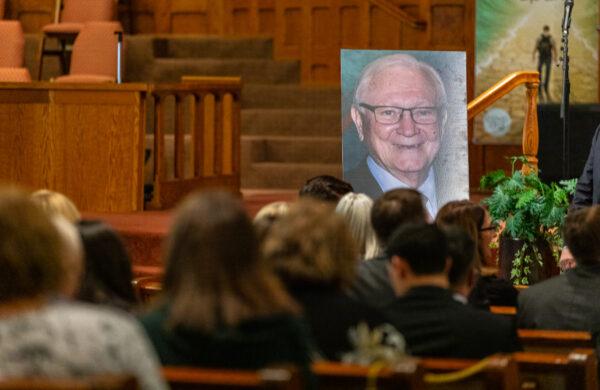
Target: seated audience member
[
  {"x": 326, "y": 188},
  {"x": 569, "y": 301},
  {"x": 425, "y": 312},
  {"x": 315, "y": 255},
  {"x": 356, "y": 210},
  {"x": 56, "y": 203},
  {"x": 43, "y": 336},
  {"x": 266, "y": 216},
  {"x": 394, "y": 208},
  {"x": 461, "y": 250},
  {"x": 474, "y": 219},
  {"x": 222, "y": 306},
  {"x": 107, "y": 276}
]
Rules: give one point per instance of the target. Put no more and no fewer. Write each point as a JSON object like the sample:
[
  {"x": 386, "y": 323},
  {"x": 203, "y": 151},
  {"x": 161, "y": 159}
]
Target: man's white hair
[{"x": 400, "y": 61}]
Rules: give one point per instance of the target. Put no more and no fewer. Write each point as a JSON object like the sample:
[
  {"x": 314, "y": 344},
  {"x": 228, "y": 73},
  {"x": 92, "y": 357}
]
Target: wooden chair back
[
  {"x": 497, "y": 372},
  {"x": 555, "y": 341},
  {"x": 340, "y": 376},
  {"x": 192, "y": 378},
  {"x": 576, "y": 370},
  {"x": 101, "y": 382}
]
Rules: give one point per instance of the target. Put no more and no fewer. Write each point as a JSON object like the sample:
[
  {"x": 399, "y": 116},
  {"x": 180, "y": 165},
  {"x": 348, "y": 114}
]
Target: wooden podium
[{"x": 88, "y": 141}]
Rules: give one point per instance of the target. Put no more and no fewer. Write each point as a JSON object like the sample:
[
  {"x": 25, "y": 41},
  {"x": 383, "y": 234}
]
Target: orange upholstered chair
[
  {"x": 11, "y": 52},
  {"x": 94, "y": 54},
  {"x": 74, "y": 15},
  {"x": 76, "y": 12}
]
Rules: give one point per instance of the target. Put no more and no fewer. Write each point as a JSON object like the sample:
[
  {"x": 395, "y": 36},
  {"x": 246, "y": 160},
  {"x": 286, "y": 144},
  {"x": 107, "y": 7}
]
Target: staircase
[{"x": 290, "y": 132}]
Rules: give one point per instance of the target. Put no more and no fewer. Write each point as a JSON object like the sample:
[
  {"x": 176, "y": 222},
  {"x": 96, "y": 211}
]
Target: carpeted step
[
  {"x": 288, "y": 122},
  {"x": 290, "y": 96},
  {"x": 325, "y": 150},
  {"x": 286, "y": 175},
  {"x": 187, "y": 46},
  {"x": 251, "y": 70}
]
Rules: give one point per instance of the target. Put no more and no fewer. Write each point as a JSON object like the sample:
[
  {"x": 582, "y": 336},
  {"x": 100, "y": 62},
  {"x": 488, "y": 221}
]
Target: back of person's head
[
  {"x": 470, "y": 217},
  {"x": 326, "y": 188},
  {"x": 356, "y": 210},
  {"x": 461, "y": 250},
  {"x": 30, "y": 249},
  {"x": 312, "y": 245},
  {"x": 107, "y": 276},
  {"x": 213, "y": 273},
  {"x": 266, "y": 216},
  {"x": 423, "y": 246},
  {"x": 582, "y": 235},
  {"x": 394, "y": 208},
  {"x": 55, "y": 203}
]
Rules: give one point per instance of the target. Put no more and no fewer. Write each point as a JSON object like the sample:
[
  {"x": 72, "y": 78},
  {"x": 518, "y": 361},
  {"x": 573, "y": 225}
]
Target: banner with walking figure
[{"x": 517, "y": 35}]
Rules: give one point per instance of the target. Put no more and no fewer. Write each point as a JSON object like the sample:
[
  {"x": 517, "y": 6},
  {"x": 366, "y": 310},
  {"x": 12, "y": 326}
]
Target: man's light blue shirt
[{"x": 388, "y": 182}]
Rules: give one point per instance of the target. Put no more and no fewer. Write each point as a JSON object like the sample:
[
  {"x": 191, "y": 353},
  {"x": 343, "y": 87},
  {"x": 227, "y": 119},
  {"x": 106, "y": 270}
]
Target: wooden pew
[
  {"x": 509, "y": 311},
  {"x": 147, "y": 288},
  {"x": 576, "y": 370},
  {"x": 192, "y": 378},
  {"x": 339, "y": 376},
  {"x": 497, "y": 372},
  {"x": 104, "y": 382},
  {"x": 559, "y": 341}
]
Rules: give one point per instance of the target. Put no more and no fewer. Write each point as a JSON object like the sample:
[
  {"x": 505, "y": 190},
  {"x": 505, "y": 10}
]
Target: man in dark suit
[
  {"x": 432, "y": 321},
  {"x": 569, "y": 301},
  {"x": 587, "y": 191},
  {"x": 396, "y": 207}
]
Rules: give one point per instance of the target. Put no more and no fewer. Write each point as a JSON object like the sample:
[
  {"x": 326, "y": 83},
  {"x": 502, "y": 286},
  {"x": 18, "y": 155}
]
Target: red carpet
[{"x": 144, "y": 232}]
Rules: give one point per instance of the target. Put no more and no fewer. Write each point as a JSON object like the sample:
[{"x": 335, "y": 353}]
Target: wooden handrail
[
  {"x": 399, "y": 14},
  {"x": 498, "y": 90},
  {"x": 531, "y": 80}
]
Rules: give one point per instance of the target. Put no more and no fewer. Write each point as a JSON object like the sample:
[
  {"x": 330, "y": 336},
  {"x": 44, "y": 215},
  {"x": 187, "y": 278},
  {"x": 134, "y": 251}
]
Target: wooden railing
[
  {"x": 207, "y": 118},
  {"x": 531, "y": 81}
]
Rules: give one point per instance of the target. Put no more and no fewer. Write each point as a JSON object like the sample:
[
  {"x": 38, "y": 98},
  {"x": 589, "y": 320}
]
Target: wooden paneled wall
[{"x": 313, "y": 32}]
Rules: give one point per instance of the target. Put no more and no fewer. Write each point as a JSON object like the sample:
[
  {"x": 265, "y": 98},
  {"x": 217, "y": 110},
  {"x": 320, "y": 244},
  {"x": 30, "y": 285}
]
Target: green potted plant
[{"x": 530, "y": 214}]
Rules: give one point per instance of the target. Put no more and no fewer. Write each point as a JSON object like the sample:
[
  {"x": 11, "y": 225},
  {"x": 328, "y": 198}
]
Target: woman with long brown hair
[{"x": 222, "y": 306}]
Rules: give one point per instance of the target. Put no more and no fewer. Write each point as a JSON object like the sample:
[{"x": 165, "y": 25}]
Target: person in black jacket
[
  {"x": 396, "y": 207},
  {"x": 425, "y": 312},
  {"x": 587, "y": 191}
]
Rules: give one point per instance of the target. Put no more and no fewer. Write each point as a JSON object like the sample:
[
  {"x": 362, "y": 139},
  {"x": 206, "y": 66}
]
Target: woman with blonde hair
[
  {"x": 356, "y": 210},
  {"x": 266, "y": 217},
  {"x": 47, "y": 337},
  {"x": 55, "y": 203},
  {"x": 314, "y": 253},
  {"x": 222, "y": 306}
]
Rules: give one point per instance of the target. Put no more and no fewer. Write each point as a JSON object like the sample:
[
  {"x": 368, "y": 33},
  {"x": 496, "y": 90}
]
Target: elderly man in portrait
[{"x": 400, "y": 112}]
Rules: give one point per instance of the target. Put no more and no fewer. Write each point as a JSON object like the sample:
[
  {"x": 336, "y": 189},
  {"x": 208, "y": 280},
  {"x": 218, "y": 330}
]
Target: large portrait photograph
[{"x": 404, "y": 121}]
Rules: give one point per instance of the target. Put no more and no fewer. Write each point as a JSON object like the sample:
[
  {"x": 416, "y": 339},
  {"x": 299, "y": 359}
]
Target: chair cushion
[
  {"x": 62, "y": 28},
  {"x": 17, "y": 75},
  {"x": 84, "y": 78}
]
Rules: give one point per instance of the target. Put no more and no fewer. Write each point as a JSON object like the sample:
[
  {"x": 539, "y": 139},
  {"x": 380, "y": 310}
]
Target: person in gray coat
[{"x": 569, "y": 301}]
